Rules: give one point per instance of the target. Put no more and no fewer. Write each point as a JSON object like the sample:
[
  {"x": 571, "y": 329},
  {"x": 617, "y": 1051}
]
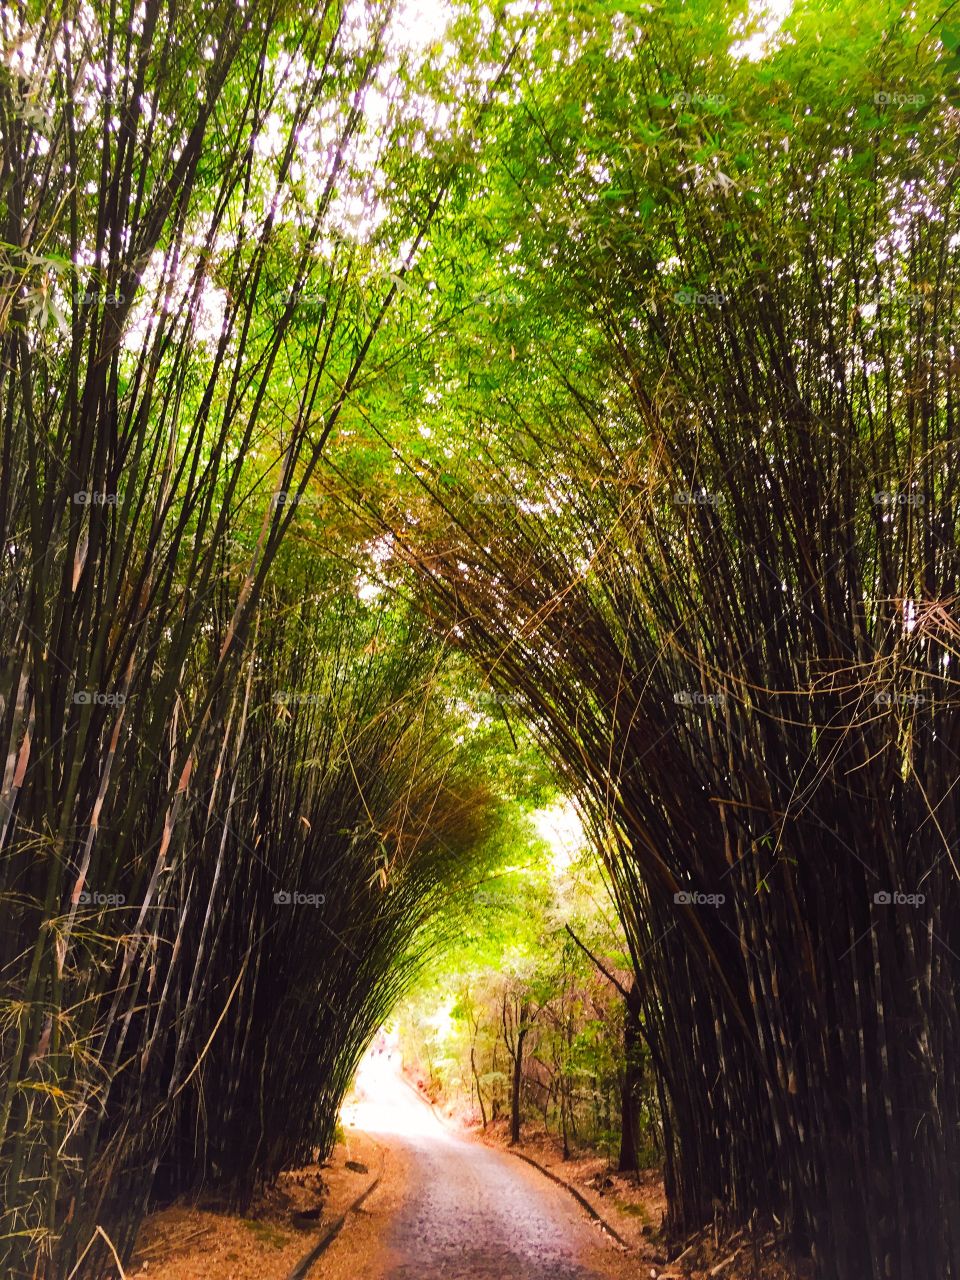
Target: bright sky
[
  {"x": 771, "y": 15},
  {"x": 418, "y": 23},
  {"x": 560, "y": 826}
]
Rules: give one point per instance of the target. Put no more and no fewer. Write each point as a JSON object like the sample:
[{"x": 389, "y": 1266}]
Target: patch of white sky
[
  {"x": 369, "y": 583},
  {"x": 418, "y": 30},
  {"x": 360, "y": 200},
  {"x": 560, "y": 828},
  {"x": 760, "y": 31}
]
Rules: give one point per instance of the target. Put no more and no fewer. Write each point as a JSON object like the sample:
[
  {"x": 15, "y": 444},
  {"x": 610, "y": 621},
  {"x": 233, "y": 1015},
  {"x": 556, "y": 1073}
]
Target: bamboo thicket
[
  {"x": 201, "y": 237},
  {"x": 704, "y": 528}
]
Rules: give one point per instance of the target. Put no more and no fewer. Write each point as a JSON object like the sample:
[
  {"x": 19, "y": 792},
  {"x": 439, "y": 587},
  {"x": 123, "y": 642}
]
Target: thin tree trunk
[
  {"x": 517, "y": 1080},
  {"x": 476, "y": 1078},
  {"x": 630, "y": 1087}
]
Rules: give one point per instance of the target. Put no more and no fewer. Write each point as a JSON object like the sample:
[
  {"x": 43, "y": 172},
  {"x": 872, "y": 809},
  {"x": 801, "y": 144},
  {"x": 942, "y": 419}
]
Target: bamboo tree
[{"x": 185, "y": 312}]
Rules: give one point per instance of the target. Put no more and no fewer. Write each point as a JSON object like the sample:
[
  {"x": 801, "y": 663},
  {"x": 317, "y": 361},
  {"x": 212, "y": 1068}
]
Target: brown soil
[{"x": 187, "y": 1242}]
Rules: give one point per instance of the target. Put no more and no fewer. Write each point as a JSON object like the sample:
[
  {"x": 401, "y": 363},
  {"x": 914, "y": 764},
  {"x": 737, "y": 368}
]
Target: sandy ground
[
  {"x": 446, "y": 1208},
  {"x": 635, "y": 1207},
  {"x": 634, "y": 1204}
]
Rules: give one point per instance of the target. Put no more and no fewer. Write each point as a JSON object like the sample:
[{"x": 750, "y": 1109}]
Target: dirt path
[
  {"x": 445, "y": 1208},
  {"x": 451, "y": 1209}
]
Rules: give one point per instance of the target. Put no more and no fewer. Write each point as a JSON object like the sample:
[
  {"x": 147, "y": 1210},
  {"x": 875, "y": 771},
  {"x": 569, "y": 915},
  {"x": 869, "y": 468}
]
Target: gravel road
[{"x": 451, "y": 1209}]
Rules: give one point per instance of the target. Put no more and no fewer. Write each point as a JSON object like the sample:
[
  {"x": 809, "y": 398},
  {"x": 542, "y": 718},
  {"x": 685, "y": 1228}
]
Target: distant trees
[
  {"x": 517, "y": 1017},
  {"x": 535, "y": 1030}
]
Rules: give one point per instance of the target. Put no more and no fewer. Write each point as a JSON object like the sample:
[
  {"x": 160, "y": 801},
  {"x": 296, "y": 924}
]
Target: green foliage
[
  {"x": 207, "y": 211},
  {"x": 511, "y": 963}
]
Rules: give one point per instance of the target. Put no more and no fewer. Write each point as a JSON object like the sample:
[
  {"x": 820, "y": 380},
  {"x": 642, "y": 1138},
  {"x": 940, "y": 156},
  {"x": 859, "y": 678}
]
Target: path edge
[
  {"x": 577, "y": 1195},
  {"x": 307, "y": 1262},
  {"x": 567, "y": 1186}
]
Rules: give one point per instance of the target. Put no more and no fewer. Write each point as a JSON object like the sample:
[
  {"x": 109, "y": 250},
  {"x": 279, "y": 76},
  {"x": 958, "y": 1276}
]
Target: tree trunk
[
  {"x": 473, "y": 1067},
  {"x": 563, "y": 1116},
  {"x": 515, "y": 1095},
  {"x": 630, "y": 1089}
]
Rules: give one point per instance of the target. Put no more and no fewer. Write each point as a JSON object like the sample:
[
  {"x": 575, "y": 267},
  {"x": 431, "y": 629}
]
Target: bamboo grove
[
  {"x": 227, "y": 804},
  {"x": 703, "y": 526}
]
